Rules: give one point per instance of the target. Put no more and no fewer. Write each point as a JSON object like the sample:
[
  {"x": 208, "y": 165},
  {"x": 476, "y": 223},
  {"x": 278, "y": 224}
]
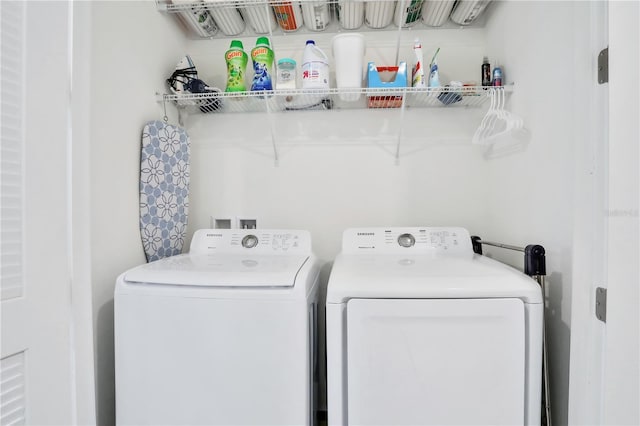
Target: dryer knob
[
  {"x": 249, "y": 241},
  {"x": 406, "y": 240}
]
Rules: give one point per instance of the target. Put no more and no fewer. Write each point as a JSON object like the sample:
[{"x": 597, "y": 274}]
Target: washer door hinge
[
  {"x": 603, "y": 66},
  {"x": 601, "y": 304}
]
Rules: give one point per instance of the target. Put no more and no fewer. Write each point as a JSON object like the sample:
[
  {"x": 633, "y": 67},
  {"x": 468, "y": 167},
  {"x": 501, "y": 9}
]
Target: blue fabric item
[{"x": 164, "y": 189}]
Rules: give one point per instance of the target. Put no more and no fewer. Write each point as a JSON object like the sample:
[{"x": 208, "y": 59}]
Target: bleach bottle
[
  {"x": 262, "y": 57},
  {"x": 236, "y": 59},
  {"x": 315, "y": 67}
]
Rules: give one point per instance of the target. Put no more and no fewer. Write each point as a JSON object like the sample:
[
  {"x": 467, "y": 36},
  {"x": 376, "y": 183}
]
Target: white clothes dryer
[
  {"x": 223, "y": 335},
  {"x": 422, "y": 331}
]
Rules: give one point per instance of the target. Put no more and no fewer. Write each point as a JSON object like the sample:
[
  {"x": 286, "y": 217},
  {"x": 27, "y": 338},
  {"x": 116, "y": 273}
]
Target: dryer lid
[
  {"x": 220, "y": 270},
  {"x": 427, "y": 276}
]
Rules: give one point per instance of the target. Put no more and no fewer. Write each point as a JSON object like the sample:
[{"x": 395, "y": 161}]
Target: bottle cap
[
  {"x": 237, "y": 44},
  {"x": 263, "y": 40},
  {"x": 311, "y": 42},
  {"x": 287, "y": 61}
]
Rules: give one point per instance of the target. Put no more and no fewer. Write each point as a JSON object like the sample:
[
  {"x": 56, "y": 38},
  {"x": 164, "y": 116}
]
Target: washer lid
[
  {"x": 427, "y": 276},
  {"x": 220, "y": 270}
]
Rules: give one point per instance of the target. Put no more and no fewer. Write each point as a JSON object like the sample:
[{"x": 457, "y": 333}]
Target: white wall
[
  {"x": 337, "y": 168},
  {"x": 534, "y": 191},
  {"x": 134, "y": 48}
]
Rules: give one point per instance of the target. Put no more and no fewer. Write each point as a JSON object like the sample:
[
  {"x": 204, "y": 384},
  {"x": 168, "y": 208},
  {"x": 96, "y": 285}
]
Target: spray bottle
[{"x": 417, "y": 73}]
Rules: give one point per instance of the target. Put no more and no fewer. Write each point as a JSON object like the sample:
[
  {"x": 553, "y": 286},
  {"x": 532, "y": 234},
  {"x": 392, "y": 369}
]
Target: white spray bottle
[{"x": 417, "y": 73}]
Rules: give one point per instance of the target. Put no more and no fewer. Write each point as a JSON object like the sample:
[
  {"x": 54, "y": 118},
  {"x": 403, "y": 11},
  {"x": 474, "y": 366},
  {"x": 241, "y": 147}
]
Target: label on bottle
[
  {"x": 497, "y": 76},
  {"x": 486, "y": 74},
  {"x": 236, "y": 64},
  {"x": 315, "y": 75}
]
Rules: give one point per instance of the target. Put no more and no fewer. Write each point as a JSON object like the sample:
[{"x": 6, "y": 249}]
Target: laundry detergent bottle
[
  {"x": 315, "y": 67},
  {"x": 262, "y": 58},
  {"x": 237, "y": 60}
]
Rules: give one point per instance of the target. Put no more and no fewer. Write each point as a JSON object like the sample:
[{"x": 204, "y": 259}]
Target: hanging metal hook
[{"x": 164, "y": 106}]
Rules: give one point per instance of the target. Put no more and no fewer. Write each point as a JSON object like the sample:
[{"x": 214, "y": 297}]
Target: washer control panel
[
  {"x": 403, "y": 240},
  {"x": 256, "y": 241}
]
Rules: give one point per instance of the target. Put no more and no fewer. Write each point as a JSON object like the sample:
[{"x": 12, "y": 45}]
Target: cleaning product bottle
[
  {"x": 408, "y": 12},
  {"x": 434, "y": 77},
  {"x": 229, "y": 20},
  {"x": 262, "y": 58},
  {"x": 497, "y": 76},
  {"x": 486, "y": 72},
  {"x": 236, "y": 59},
  {"x": 315, "y": 67},
  {"x": 288, "y": 15},
  {"x": 316, "y": 15},
  {"x": 417, "y": 73}
]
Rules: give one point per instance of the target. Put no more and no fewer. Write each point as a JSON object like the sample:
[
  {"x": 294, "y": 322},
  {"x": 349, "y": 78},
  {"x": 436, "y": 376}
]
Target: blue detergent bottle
[{"x": 262, "y": 57}]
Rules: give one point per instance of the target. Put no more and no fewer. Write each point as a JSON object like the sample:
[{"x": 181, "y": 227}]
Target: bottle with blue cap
[
  {"x": 497, "y": 76},
  {"x": 315, "y": 67},
  {"x": 286, "y": 74}
]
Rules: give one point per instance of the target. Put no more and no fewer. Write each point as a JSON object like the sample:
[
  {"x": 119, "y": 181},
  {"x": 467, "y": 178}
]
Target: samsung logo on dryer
[
  {"x": 366, "y": 234},
  {"x": 214, "y": 235}
]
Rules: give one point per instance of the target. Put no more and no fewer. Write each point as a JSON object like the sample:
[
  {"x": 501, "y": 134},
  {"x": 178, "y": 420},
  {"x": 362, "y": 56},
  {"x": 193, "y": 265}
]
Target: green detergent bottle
[{"x": 236, "y": 59}]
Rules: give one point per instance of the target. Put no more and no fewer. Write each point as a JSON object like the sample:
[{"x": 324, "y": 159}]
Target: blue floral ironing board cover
[{"x": 164, "y": 189}]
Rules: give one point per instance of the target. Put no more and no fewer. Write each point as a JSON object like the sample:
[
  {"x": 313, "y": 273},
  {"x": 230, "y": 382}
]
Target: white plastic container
[
  {"x": 408, "y": 12},
  {"x": 436, "y": 12},
  {"x": 466, "y": 12},
  {"x": 229, "y": 20},
  {"x": 286, "y": 74},
  {"x": 197, "y": 19},
  {"x": 351, "y": 14},
  {"x": 348, "y": 54},
  {"x": 379, "y": 14},
  {"x": 316, "y": 15},
  {"x": 315, "y": 67},
  {"x": 259, "y": 16}
]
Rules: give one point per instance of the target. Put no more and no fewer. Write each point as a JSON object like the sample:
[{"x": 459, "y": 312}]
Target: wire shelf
[
  {"x": 257, "y": 17},
  {"x": 167, "y": 6},
  {"x": 333, "y": 99}
]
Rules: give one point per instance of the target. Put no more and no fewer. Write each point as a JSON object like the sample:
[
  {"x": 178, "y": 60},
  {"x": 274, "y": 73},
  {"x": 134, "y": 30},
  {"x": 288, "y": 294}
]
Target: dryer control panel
[
  {"x": 403, "y": 240},
  {"x": 255, "y": 241}
]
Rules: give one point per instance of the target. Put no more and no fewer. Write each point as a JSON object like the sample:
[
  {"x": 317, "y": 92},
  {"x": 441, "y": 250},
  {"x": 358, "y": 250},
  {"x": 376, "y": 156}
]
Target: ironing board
[{"x": 164, "y": 189}]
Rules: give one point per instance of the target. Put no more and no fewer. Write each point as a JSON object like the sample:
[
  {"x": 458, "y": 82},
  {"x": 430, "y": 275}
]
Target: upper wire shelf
[
  {"x": 213, "y": 19},
  {"x": 167, "y": 6},
  {"x": 333, "y": 99}
]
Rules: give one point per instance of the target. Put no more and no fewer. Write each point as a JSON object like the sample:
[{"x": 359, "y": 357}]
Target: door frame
[{"x": 604, "y": 355}]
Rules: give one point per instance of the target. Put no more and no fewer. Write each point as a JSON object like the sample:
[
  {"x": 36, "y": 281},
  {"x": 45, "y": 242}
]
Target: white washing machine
[
  {"x": 422, "y": 331},
  {"x": 224, "y": 335}
]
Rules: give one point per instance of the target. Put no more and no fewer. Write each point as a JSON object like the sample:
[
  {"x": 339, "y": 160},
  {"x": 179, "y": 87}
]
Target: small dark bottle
[{"x": 486, "y": 72}]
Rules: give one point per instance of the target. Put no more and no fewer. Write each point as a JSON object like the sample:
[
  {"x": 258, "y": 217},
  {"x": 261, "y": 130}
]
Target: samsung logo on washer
[{"x": 366, "y": 234}]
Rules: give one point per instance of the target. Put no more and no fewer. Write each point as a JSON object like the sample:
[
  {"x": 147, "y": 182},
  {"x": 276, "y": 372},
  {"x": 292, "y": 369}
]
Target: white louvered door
[{"x": 35, "y": 359}]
